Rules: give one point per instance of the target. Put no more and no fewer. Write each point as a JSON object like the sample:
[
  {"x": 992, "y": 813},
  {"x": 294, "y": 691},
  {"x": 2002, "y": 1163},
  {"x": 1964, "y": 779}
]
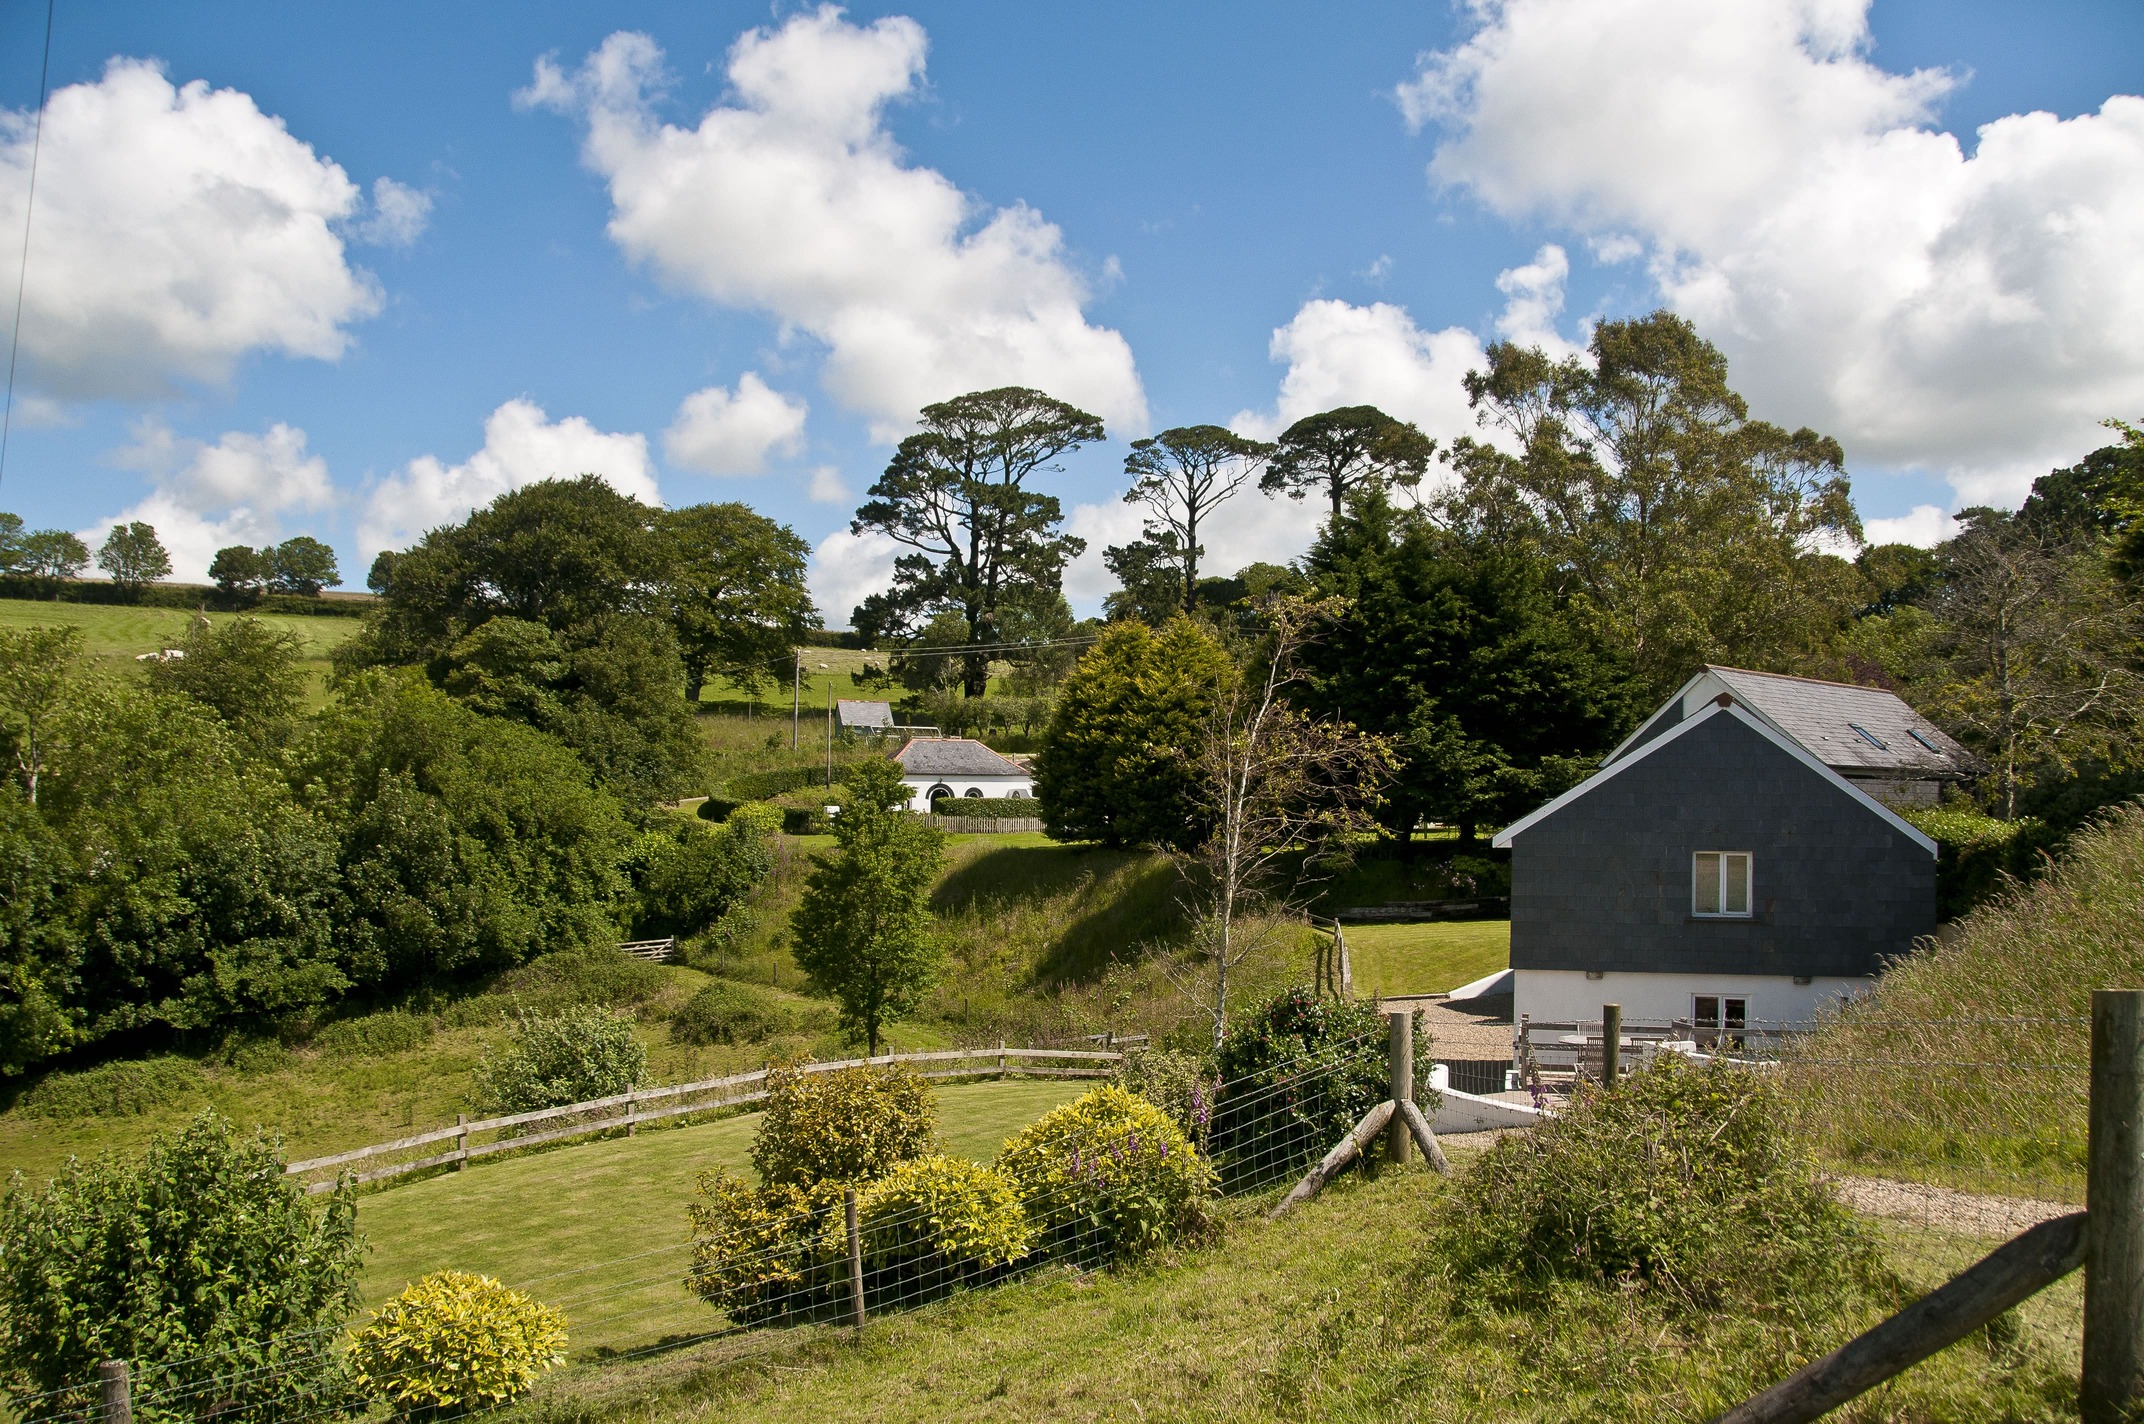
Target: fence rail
[{"x": 638, "y": 1105}]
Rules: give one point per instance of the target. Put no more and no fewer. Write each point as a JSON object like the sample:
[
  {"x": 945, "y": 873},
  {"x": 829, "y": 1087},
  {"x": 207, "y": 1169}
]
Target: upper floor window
[{"x": 1719, "y": 884}]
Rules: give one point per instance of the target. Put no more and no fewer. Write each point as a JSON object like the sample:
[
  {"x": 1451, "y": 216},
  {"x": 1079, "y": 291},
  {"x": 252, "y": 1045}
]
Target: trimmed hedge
[
  {"x": 1976, "y": 855},
  {"x": 994, "y": 808},
  {"x": 179, "y": 595}
]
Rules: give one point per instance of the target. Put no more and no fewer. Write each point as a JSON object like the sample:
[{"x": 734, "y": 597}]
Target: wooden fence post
[
  {"x": 115, "y": 1389},
  {"x": 632, "y": 1119},
  {"x": 1347, "y": 970},
  {"x": 856, "y": 1260},
  {"x": 1611, "y": 1043},
  {"x": 1399, "y": 1073},
  {"x": 1001, "y": 1058},
  {"x": 461, "y": 1142},
  {"x": 2113, "y": 1382}
]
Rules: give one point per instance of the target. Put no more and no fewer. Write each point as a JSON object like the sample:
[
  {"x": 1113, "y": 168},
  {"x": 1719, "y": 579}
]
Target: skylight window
[
  {"x": 1868, "y": 736},
  {"x": 1915, "y": 733}
]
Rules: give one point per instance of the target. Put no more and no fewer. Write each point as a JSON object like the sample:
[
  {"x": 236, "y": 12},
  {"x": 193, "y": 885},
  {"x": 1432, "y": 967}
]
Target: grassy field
[
  {"x": 114, "y": 636},
  {"x": 1427, "y": 958},
  {"x": 600, "y": 1228},
  {"x": 1336, "y": 1312}
]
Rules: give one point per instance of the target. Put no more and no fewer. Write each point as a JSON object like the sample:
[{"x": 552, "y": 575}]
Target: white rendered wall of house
[
  {"x": 1567, "y": 995},
  {"x": 919, "y": 787}
]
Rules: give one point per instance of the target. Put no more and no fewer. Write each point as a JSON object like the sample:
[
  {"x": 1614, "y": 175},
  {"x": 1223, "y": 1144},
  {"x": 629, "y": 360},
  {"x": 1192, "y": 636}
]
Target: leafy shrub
[
  {"x": 766, "y": 785},
  {"x": 729, "y": 1012},
  {"x": 1686, "y": 1181},
  {"x": 1469, "y": 877},
  {"x": 1977, "y": 855},
  {"x": 1296, "y": 1075},
  {"x": 989, "y": 808},
  {"x": 195, "y": 1260},
  {"x": 597, "y": 976},
  {"x": 550, "y": 1060},
  {"x": 114, "y": 1089},
  {"x": 1109, "y": 1176},
  {"x": 781, "y": 1251},
  {"x": 850, "y": 1125},
  {"x": 805, "y": 821},
  {"x": 374, "y": 1034},
  {"x": 689, "y": 877},
  {"x": 454, "y": 1342},
  {"x": 719, "y": 808},
  {"x": 1183, "y": 1085}
]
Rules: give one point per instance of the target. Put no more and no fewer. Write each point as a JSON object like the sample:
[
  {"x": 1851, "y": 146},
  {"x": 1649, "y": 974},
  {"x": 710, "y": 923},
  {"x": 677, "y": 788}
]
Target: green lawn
[
  {"x": 600, "y": 1228},
  {"x": 1427, "y": 958}
]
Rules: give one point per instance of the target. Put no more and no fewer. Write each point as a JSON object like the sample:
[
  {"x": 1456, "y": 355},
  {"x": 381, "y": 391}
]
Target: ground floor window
[
  {"x": 974, "y": 791},
  {"x": 1719, "y": 1020}
]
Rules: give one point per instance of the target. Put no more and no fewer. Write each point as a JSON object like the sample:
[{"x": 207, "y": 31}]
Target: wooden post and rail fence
[{"x": 639, "y": 1105}]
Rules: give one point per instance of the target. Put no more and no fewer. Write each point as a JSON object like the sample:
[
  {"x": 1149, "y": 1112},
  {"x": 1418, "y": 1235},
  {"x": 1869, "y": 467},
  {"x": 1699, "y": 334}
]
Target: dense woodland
[{"x": 202, "y": 846}]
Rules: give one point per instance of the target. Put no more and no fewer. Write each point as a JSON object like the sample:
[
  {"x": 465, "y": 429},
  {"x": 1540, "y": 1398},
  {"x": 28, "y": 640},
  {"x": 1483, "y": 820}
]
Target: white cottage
[{"x": 958, "y": 766}]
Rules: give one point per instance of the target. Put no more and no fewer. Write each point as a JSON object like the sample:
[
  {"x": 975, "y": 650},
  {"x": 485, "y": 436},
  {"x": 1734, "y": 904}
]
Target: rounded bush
[
  {"x": 1109, "y": 1176},
  {"x": 780, "y": 1252},
  {"x": 549, "y": 1060},
  {"x": 937, "y": 1222},
  {"x": 850, "y": 1125},
  {"x": 729, "y": 1012},
  {"x": 1298, "y": 1074},
  {"x": 115, "y": 1089},
  {"x": 455, "y": 1342},
  {"x": 1685, "y": 1179}
]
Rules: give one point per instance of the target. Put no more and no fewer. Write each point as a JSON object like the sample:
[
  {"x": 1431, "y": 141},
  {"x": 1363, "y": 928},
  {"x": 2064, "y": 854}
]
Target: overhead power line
[{"x": 22, "y": 273}]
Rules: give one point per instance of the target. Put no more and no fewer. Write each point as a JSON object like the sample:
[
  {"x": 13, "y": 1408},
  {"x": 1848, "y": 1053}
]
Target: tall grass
[{"x": 1969, "y": 1061}]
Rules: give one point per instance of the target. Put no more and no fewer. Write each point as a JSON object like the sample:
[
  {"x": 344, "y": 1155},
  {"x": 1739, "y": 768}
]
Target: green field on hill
[
  {"x": 1426, "y": 958},
  {"x": 115, "y": 635}
]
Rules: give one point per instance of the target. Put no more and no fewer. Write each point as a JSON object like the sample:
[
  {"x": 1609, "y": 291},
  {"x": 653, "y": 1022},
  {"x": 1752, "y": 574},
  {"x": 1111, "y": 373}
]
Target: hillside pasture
[
  {"x": 114, "y": 635},
  {"x": 1429, "y": 958}
]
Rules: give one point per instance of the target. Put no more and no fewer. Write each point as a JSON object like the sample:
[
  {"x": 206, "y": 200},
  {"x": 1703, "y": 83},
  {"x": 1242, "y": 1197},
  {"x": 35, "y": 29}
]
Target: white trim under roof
[{"x": 1746, "y": 716}]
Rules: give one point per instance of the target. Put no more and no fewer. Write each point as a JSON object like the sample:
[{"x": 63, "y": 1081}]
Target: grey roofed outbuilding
[
  {"x": 953, "y": 756},
  {"x": 865, "y": 716},
  {"x": 1851, "y": 729}
]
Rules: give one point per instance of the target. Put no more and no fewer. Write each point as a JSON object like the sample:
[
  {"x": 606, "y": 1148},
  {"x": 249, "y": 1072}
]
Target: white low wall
[
  {"x": 1464, "y": 1112},
  {"x": 1567, "y": 995}
]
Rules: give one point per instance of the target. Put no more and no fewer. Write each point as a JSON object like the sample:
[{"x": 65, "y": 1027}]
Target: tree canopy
[
  {"x": 956, "y": 497},
  {"x": 737, "y": 595},
  {"x": 1182, "y": 476},
  {"x": 1338, "y": 453},
  {"x": 133, "y": 555}
]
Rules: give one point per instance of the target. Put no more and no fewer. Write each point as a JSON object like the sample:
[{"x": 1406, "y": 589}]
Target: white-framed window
[
  {"x": 1720, "y": 884},
  {"x": 1719, "y": 1020}
]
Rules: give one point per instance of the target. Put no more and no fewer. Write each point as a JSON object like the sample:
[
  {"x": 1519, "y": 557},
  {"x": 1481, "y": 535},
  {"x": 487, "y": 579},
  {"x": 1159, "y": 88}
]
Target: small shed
[
  {"x": 958, "y": 766},
  {"x": 1717, "y": 869},
  {"x": 858, "y": 716}
]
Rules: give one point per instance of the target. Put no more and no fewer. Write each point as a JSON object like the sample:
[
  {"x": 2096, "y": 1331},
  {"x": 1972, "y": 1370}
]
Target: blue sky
[{"x": 1174, "y": 214}]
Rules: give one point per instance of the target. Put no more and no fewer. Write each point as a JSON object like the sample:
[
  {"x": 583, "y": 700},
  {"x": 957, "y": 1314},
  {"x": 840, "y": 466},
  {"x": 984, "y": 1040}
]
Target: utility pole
[
  {"x": 829, "y": 732},
  {"x": 796, "y": 701}
]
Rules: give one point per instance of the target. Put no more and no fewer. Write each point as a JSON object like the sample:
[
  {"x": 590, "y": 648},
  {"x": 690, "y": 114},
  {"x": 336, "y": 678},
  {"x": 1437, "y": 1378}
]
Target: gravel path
[{"x": 1945, "y": 1208}]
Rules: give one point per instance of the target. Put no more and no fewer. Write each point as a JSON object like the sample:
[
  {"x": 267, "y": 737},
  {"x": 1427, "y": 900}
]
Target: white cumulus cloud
[
  {"x": 827, "y": 486},
  {"x": 793, "y": 199},
  {"x": 721, "y": 432},
  {"x": 1924, "y": 527},
  {"x": 177, "y": 229},
  {"x": 521, "y": 446},
  {"x": 848, "y": 568},
  {"x": 209, "y": 496},
  {"x": 399, "y": 214},
  {"x": 1969, "y": 310}
]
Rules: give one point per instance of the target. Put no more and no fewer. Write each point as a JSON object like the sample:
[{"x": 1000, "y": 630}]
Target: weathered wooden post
[
  {"x": 116, "y": 1394},
  {"x": 1001, "y": 1059},
  {"x": 1611, "y": 1043},
  {"x": 856, "y": 1260},
  {"x": 2113, "y": 1383},
  {"x": 461, "y": 1142},
  {"x": 1347, "y": 969},
  {"x": 1399, "y": 1068},
  {"x": 632, "y": 1115}
]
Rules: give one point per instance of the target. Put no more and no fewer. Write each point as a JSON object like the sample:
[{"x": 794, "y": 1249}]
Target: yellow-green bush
[
  {"x": 781, "y": 1251},
  {"x": 1109, "y": 1175},
  {"x": 852, "y": 1125},
  {"x": 454, "y": 1342}
]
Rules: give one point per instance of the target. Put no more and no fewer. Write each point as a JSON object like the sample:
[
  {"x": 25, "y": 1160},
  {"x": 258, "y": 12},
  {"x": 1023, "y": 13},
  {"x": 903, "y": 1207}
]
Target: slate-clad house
[
  {"x": 958, "y": 766},
  {"x": 1728, "y": 864}
]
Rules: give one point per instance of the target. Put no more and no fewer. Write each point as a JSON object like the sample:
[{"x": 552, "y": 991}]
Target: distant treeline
[{"x": 183, "y": 595}]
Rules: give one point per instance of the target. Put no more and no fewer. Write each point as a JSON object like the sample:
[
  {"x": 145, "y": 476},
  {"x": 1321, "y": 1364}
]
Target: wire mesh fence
[{"x": 1944, "y": 1137}]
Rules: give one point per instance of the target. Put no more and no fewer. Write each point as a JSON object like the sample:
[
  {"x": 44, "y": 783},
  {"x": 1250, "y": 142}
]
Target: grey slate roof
[
  {"x": 953, "y": 756},
  {"x": 1822, "y": 717},
  {"x": 877, "y": 716}
]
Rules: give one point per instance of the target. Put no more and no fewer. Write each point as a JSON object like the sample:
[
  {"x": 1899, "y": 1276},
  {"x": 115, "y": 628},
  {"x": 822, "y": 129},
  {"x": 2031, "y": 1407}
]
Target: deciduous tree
[
  {"x": 863, "y": 930},
  {"x": 244, "y": 669},
  {"x": 1339, "y": 452},
  {"x": 1182, "y": 476},
  {"x": 241, "y": 571},
  {"x": 737, "y": 595},
  {"x": 134, "y": 556},
  {"x": 303, "y": 566},
  {"x": 956, "y": 496}
]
